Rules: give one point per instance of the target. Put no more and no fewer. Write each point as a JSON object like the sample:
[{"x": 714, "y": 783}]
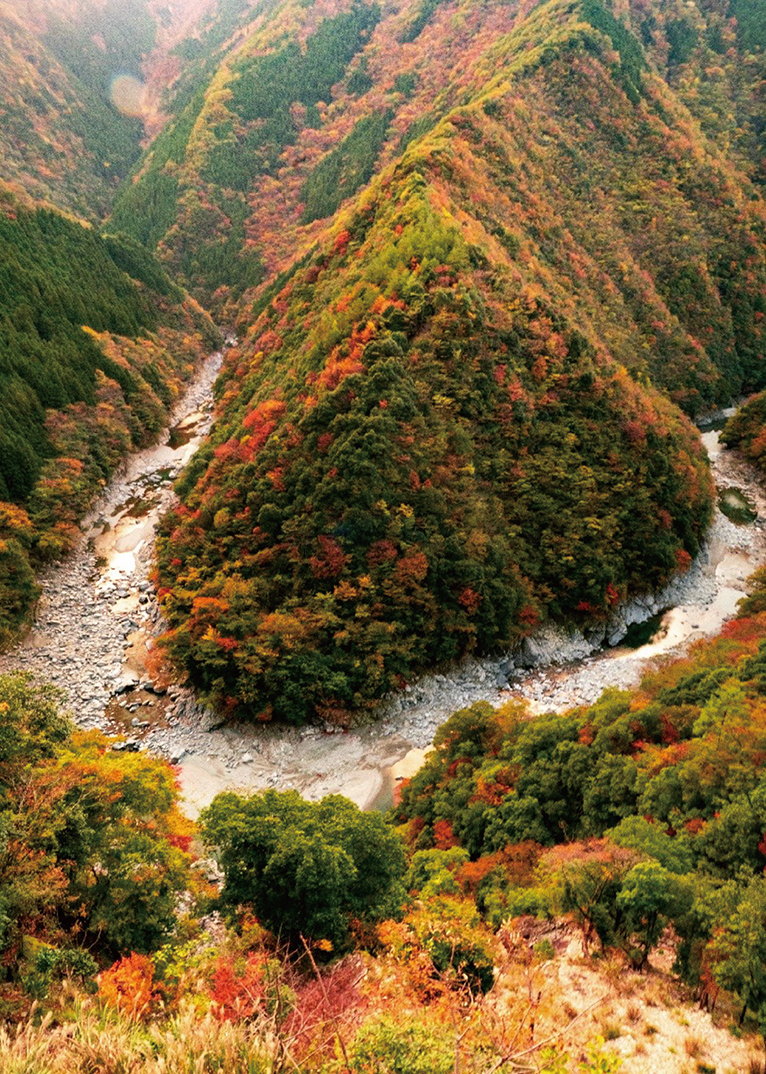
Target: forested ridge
[
  {"x": 95, "y": 342},
  {"x": 398, "y": 495},
  {"x": 261, "y": 151},
  {"x": 446, "y": 423},
  {"x": 512, "y": 242},
  {"x": 485, "y": 261}
]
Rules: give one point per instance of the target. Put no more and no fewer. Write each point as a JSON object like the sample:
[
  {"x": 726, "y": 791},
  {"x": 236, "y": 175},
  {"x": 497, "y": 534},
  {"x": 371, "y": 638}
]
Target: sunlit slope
[
  {"x": 622, "y": 150},
  {"x": 418, "y": 456}
]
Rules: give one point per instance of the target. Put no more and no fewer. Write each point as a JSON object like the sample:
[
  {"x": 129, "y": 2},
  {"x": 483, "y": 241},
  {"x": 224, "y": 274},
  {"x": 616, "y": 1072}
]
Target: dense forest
[
  {"x": 62, "y": 137},
  {"x": 387, "y": 488},
  {"x": 95, "y": 342},
  {"x": 523, "y": 286},
  {"x": 665, "y": 128},
  {"x": 350, "y": 944},
  {"x": 486, "y": 260},
  {"x": 479, "y": 257}
]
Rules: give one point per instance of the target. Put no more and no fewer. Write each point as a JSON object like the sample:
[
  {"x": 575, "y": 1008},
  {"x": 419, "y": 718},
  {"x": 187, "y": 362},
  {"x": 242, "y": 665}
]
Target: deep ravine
[
  {"x": 97, "y": 602},
  {"x": 97, "y": 619}
]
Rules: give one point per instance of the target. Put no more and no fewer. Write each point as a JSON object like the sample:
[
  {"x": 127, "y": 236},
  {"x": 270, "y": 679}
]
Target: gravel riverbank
[{"x": 97, "y": 620}]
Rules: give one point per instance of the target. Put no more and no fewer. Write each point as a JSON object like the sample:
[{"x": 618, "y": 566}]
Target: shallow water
[{"x": 365, "y": 764}]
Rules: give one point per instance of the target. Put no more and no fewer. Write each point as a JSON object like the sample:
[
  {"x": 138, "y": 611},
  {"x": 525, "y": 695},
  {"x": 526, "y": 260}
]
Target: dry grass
[
  {"x": 693, "y": 1046},
  {"x": 654, "y": 1021},
  {"x": 653, "y": 1031},
  {"x": 189, "y": 1043}
]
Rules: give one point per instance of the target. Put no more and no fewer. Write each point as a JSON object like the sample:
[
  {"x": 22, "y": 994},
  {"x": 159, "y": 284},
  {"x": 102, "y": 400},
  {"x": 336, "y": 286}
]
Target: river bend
[{"x": 97, "y": 619}]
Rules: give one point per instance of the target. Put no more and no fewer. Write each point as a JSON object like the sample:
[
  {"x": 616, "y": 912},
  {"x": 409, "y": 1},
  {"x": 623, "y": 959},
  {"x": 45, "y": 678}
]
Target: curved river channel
[{"x": 97, "y": 619}]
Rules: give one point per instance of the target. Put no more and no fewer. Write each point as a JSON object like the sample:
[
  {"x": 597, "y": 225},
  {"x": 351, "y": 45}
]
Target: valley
[
  {"x": 100, "y": 600},
  {"x": 383, "y": 673}
]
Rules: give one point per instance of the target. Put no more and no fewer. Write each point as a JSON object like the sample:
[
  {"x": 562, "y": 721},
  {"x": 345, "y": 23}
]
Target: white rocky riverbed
[{"x": 97, "y": 619}]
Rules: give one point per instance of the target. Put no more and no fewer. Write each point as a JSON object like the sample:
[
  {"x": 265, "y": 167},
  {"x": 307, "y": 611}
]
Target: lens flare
[{"x": 127, "y": 94}]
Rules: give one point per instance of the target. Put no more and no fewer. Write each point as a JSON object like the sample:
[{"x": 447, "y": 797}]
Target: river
[{"x": 97, "y": 620}]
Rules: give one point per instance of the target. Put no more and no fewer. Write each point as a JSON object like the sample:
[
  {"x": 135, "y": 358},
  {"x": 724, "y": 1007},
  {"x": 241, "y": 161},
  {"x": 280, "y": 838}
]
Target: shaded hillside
[
  {"x": 416, "y": 458},
  {"x": 71, "y": 109},
  {"x": 59, "y": 135},
  {"x": 95, "y": 342}
]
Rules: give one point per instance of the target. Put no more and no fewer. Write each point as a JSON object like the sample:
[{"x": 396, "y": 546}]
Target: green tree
[
  {"x": 649, "y": 897},
  {"x": 738, "y": 951},
  {"x": 122, "y": 843},
  {"x": 91, "y": 840},
  {"x": 637, "y": 833},
  {"x": 389, "y": 1046},
  {"x": 727, "y": 705},
  {"x": 432, "y": 872},
  {"x": 305, "y": 868}
]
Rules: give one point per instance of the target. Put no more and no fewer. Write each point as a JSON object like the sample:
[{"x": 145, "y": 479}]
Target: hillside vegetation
[
  {"x": 95, "y": 342},
  {"x": 418, "y": 461},
  {"x": 485, "y": 259},
  {"x": 621, "y": 141},
  {"x": 479, "y": 255},
  {"x": 746, "y": 430},
  {"x": 516, "y": 913},
  {"x": 83, "y": 83},
  {"x": 449, "y": 420},
  {"x": 60, "y": 137}
]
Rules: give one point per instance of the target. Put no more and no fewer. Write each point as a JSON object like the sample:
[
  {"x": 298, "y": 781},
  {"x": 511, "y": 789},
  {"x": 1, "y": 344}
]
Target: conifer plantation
[
  {"x": 95, "y": 342},
  {"x": 475, "y": 268}
]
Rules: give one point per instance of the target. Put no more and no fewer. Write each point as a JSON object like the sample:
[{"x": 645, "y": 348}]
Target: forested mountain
[
  {"x": 305, "y": 105},
  {"x": 481, "y": 256},
  {"x": 421, "y": 459},
  {"x": 95, "y": 342},
  {"x": 451, "y": 416},
  {"x": 485, "y": 260},
  {"x": 80, "y": 80}
]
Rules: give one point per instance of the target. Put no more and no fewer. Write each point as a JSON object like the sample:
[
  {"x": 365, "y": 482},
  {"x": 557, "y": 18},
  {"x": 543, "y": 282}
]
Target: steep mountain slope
[
  {"x": 59, "y": 135},
  {"x": 264, "y": 154},
  {"x": 72, "y": 97},
  {"x": 95, "y": 342},
  {"x": 445, "y": 424},
  {"x": 420, "y": 458},
  {"x": 746, "y": 430},
  {"x": 452, "y": 413}
]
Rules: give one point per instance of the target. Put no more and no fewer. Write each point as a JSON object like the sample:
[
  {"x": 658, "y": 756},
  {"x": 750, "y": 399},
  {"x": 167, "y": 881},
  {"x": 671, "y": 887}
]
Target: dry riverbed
[{"x": 97, "y": 621}]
